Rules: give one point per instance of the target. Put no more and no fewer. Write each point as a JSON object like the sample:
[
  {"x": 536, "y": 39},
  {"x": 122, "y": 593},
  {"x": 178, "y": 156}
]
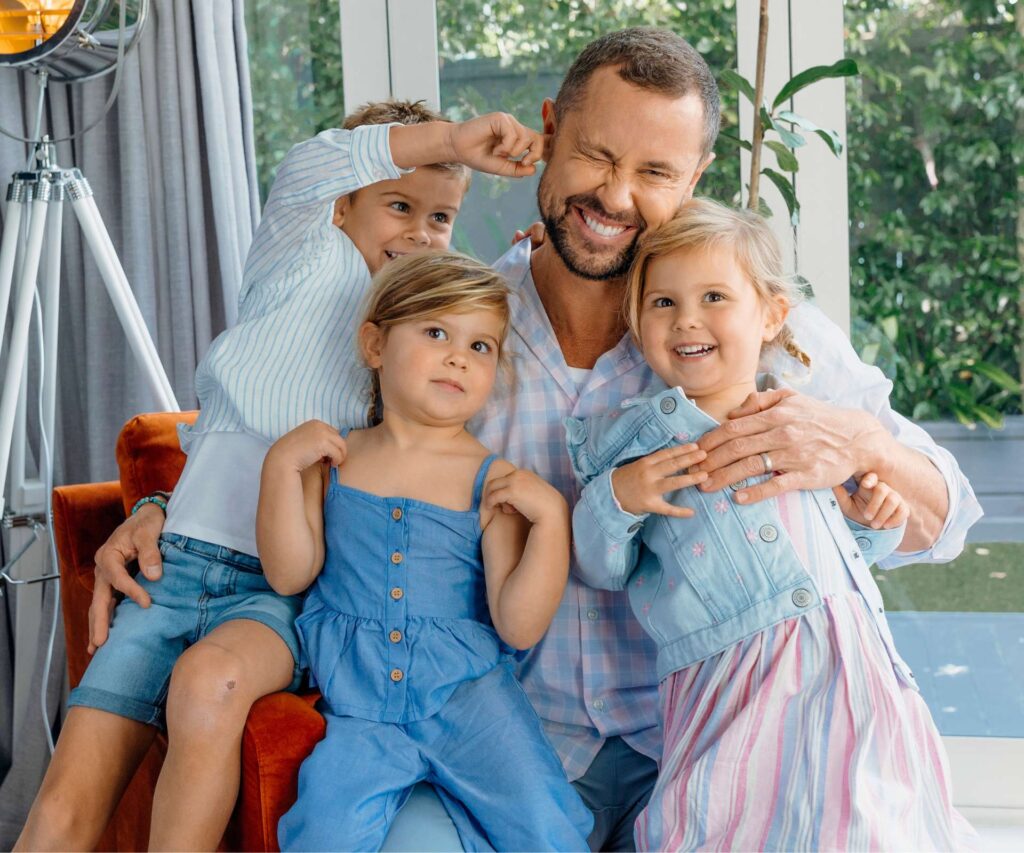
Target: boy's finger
[
  {"x": 877, "y": 499},
  {"x": 869, "y": 480}
]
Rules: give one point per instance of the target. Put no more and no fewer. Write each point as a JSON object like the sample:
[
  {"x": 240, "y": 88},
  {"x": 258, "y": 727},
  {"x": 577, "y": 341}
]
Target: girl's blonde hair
[
  {"x": 426, "y": 284},
  {"x": 704, "y": 224}
]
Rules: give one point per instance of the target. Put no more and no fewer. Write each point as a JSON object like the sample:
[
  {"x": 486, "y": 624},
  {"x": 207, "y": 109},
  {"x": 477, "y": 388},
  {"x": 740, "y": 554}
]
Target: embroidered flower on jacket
[
  {"x": 682, "y": 437},
  {"x": 698, "y": 549},
  {"x": 721, "y": 506},
  {"x": 751, "y": 535}
]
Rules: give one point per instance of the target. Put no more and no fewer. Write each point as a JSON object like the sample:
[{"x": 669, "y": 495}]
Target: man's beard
[{"x": 591, "y": 264}]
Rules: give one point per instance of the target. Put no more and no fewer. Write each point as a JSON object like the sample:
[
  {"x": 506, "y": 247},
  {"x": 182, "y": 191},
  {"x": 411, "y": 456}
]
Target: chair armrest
[
  {"x": 281, "y": 731},
  {"x": 83, "y": 517}
]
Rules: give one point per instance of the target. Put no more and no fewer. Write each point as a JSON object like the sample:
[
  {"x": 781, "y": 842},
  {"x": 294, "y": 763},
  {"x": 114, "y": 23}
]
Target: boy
[{"x": 210, "y": 637}]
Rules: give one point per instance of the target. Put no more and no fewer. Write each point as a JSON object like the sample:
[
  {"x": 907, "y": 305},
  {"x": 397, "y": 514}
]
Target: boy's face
[{"x": 411, "y": 214}]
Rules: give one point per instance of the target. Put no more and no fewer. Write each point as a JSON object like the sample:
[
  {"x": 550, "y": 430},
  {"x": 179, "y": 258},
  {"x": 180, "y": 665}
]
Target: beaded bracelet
[{"x": 158, "y": 498}]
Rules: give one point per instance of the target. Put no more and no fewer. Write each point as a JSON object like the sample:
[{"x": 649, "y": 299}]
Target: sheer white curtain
[{"x": 173, "y": 171}]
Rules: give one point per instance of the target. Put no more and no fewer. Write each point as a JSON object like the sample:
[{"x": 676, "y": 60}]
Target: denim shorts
[{"x": 202, "y": 586}]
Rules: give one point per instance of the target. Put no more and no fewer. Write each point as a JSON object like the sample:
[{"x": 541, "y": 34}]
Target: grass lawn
[{"x": 986, "y": 577}]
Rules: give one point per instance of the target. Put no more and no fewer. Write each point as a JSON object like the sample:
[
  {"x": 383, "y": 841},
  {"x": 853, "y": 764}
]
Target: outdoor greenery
[{"x": 935, "y": 141}]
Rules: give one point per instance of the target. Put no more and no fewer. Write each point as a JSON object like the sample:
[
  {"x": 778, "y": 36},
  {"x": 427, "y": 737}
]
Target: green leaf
[
  {"x": 735, "y": 140},
  {"x": 869, "y": 353},
  {"x": 737, "y": 81},
  {"x": 842, "y": 68},
  {"x": 891, "y": 327},
  {"x": 788, "y": 137},
  {"x": 997, "y": 375},
  {"x": 830, "y": 137},
  {"x": 786, "y": 159},
  {"x": 788, "y": 193}
]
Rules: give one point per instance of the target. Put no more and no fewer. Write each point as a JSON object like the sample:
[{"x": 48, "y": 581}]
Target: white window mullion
[
  {"x": 365, "y": 52},
  {"x": 415, "y": 74}
]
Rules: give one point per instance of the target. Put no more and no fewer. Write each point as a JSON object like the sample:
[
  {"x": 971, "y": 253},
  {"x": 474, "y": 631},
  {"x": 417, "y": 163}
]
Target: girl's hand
[
  {"x": 640, "y": 486},
  {"x": 524, "y": 492},
  {"x": 535, "y": 232},
  {"x": 308, "y": 444},
  {"x": 875, "y": 504},
  {"x": 498, "y": 144}
]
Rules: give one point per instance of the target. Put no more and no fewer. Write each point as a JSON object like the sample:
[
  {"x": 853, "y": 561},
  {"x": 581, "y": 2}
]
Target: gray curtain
[{"x": 173, "y": 170}]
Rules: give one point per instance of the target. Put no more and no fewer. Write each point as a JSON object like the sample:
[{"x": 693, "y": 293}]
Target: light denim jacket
[{"x": 712, "y": 604}]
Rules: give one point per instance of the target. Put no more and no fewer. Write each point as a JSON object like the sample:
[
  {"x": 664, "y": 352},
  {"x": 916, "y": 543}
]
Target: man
[{"x": 631, "y": 132}]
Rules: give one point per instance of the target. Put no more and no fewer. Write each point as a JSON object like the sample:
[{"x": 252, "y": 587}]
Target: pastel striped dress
[{"x": 801, "y": 737}]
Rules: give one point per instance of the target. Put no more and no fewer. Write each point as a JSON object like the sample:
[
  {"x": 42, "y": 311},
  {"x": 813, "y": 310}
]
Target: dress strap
[
  {"x": 481, "y": 477},
  {"x": 333, "y": 476}
]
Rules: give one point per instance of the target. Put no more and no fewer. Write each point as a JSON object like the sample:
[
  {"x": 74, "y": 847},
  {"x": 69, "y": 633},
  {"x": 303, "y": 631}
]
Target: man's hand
[
  {"x": 135, "y": 539},
  {"x": 875, "y": 504},
  {"x": 813, "y": 444},
  {"x": 496, "y": 143},
  {"x": 640, "y": 486}
]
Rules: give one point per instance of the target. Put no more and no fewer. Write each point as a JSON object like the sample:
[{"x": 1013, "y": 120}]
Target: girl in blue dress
[{"x": 431, "y": 561}]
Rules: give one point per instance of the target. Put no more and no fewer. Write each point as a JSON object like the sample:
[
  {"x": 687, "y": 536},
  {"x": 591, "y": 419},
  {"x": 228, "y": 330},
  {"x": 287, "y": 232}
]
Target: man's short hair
[
  {"x": 651, "y": 58},
  {"x": 401, "y": 112}
]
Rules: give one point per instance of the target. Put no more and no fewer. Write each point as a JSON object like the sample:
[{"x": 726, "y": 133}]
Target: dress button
[
  {"x": 668, "y": 405},
  {"x": 396, "y": 514},
  {"x": 802, "y": 597},
  {"x": 396, "y": 558},
  {"x": 592, "y": 614},
  {"x": 742, "y": 484},
  {"x": 863, "y": 542},
  {"x": 396, "y": 593},
  {"x": 397, "y": 675},
  {"x": 395, "y": 636},
  {"x": 768, "y": 533},
  {"x": 598, "y": 704}
]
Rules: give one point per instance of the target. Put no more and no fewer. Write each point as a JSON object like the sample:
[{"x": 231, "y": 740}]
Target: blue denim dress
[{"x": 418, "y": 686}]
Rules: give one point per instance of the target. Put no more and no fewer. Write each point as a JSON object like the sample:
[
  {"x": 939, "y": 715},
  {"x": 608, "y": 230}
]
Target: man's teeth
[
  {"x": 603, "y": 230},
  {"x": 694, "y": 349}
]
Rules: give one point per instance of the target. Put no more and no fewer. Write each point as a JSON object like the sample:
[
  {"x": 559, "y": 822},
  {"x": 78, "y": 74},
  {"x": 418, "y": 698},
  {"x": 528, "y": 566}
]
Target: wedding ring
[{"x": 767, "y": 461}]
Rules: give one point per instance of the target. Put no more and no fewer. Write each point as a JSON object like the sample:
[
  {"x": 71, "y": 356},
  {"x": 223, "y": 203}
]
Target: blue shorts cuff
[{"x": 123, "y": 706}]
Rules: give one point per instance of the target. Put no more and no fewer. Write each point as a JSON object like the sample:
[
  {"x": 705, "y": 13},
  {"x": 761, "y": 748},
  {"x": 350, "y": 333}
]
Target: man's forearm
[{"x": 921, "y": 484}]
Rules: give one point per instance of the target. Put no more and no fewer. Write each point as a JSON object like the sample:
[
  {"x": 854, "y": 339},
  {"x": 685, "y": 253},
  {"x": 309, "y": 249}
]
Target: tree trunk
[
  {"x": 1019, "y": 18},
  {"x": 758, "y": 135}
]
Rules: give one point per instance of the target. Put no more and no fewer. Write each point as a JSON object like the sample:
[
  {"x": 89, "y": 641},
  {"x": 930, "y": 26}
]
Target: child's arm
[
  {"x": 613, "y": 507},
  {"x": 526, "y": 553},
  {"x": 876, "y": 514},
  {"x": 289, "y": 517}
]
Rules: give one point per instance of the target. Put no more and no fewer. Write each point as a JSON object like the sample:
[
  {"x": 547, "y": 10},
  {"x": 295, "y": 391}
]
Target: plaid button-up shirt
[{"x": 593, "y": 674}]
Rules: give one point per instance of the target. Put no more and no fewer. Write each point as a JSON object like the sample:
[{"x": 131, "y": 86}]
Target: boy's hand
[
  {"x": 495, "y": 143},
  {"x": 308, "y": 444},
  {"x": 531, "y": 496},
  {"x": 535, "y": 232},
  {"x": 875, "y": 504},
  {"x": 640, "y": 486}
]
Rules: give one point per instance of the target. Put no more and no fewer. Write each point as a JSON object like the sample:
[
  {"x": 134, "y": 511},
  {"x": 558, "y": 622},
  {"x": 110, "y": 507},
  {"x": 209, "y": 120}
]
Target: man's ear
[
  {"x": 341, "y": 208},
  {"x": 547, "y": 116},
  {"x": 371, "y": 344},
  {"x": 697, "y": 175}
]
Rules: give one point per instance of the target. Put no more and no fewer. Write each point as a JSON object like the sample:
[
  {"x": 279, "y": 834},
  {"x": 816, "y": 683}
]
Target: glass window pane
[
  {"x": 295, "y": 68},
  {"x": 509, "y": 55},
  {"x": 935, "y": 130}
]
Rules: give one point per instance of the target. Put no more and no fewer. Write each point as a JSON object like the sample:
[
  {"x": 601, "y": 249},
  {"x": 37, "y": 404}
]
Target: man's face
[
  {"x": 624, "y": 160},
  {"x": 414, "y": 213}
]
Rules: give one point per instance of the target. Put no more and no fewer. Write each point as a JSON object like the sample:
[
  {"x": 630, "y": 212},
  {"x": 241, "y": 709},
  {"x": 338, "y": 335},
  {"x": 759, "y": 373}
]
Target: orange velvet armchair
[{"x": 282, "y": 728}]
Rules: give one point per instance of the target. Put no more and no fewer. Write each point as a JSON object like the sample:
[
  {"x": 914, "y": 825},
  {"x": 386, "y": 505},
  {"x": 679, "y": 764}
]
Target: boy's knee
[{"x": 208, "y": 692}]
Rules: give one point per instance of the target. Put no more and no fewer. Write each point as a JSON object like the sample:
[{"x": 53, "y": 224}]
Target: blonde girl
[
  {"x": 790, "y": 722},
  {"x": 431, "y": 560}
]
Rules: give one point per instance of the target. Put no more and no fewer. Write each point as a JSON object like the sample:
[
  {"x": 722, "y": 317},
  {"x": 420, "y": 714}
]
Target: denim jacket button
[
  {"x": 802, "y": 597},
  {"x": 668, "y": 405},
  {"x": 768, "y": 533},
  {"x": 742, "y": 484},
  {"x": 863, "y": 542},
  {"x": 634, "y": 527}
]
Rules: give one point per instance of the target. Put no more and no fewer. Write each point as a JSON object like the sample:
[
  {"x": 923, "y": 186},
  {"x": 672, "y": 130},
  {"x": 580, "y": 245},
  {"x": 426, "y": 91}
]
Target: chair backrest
[{"x": 148, "y": 454}]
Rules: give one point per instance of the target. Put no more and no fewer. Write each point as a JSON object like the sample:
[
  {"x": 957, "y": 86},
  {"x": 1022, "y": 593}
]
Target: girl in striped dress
[{"x": 789, "y": 720}]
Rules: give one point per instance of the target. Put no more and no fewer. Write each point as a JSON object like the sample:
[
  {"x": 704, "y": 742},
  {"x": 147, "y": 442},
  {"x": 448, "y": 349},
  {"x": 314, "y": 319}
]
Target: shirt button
[
  {"x": 863, "y": 542},
  {"x": 396, "y": 558},
  {"x": 856, "y": 555},
  {"x": 802, "y": 597},
  {"x": 396, "y": 514},
  {"x": 396, "y": 593},
  {"x": 592, "y": 614},
  {"x": 768, "y": 533},
  {"x": 598, "y": 704},
  {"x": 397, "y": 675},
  {"x": 668, "y": 405},
  {"x": 395, "y": 636}
]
